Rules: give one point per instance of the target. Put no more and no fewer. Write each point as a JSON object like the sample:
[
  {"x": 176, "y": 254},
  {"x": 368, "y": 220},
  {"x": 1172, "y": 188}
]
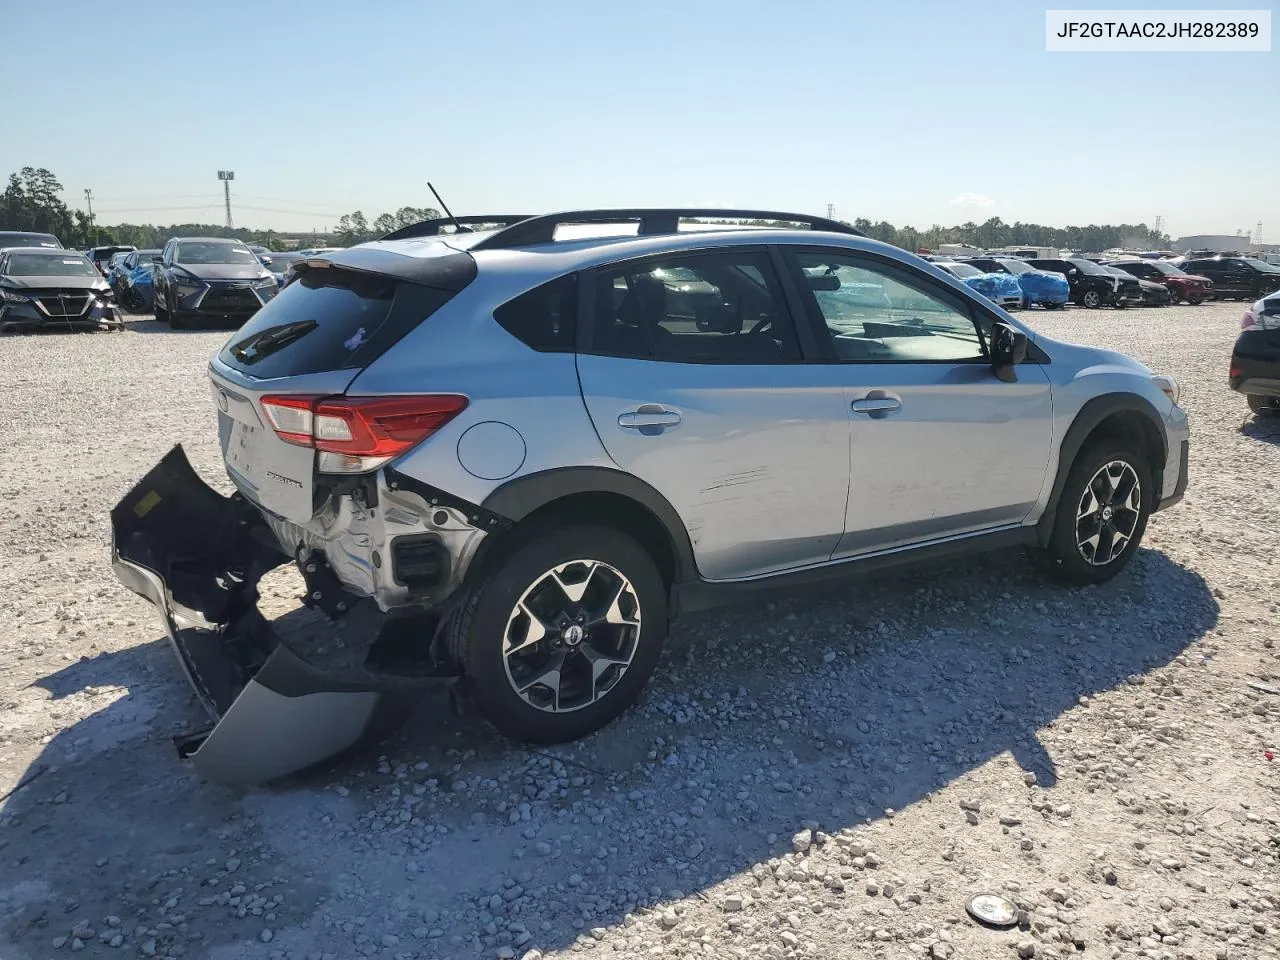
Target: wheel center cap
[
  {"x": 1106, "y": 513},
  {"x": 573, "y": 635}
]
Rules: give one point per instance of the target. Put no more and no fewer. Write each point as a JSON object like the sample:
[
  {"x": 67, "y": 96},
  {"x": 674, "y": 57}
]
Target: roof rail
[
  {"x": 435, "y": 228},
  {"x": 651, "y": 221}
]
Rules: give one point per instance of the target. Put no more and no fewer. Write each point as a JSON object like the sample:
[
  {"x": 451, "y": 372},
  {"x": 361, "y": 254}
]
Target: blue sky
[{"x": 914, "y": 112}]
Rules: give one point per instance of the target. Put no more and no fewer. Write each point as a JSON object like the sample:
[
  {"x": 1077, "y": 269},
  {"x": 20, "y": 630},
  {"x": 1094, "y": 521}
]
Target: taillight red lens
[
  {"x": 290, "y": 417},
  {"x": 361, "y": 427},
  {"x": 381, "y": 426}
]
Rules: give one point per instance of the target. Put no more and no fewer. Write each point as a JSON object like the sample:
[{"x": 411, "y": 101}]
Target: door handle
[
  {"x": 877, "y": 406},
  {"x": 649, "y": 417}
]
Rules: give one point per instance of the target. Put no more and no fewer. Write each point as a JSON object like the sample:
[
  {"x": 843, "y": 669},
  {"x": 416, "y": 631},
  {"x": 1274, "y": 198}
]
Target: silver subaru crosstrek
[{"x": 522, "y": 453}]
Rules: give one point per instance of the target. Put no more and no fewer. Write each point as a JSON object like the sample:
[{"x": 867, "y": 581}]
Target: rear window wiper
[{"x": 269, "y": 341}]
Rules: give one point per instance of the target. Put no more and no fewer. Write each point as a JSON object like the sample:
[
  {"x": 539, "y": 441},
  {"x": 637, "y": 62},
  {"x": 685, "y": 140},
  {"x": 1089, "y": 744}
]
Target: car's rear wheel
[
  {"x": 1102, "y": 514},
  {"x": 1265, "y": 406},
  {"x": 1091, "y": 299},
  {"x": 561, "y": 636}
]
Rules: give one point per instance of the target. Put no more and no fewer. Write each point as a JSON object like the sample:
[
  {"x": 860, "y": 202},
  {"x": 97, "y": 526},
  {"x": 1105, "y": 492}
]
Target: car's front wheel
[
  {"x": 561, "y": 635},
  {"x": 1091, "y": 299},
  {"x": 1102, "y": 514}
]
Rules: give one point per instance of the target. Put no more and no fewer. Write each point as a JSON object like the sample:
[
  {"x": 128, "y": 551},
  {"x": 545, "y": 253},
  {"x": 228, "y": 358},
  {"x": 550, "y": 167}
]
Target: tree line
[{"x": 32, "y": 201}]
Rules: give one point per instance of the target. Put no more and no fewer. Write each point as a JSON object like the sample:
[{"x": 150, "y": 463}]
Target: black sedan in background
[
  {"x": 52, "y": 288},
  {"x": 1255, "y": 361},
  {"x": 209, "y": 280}
]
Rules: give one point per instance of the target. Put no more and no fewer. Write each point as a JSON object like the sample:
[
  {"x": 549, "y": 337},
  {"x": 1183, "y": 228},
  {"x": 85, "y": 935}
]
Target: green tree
[{"x": 31, "y": 202}]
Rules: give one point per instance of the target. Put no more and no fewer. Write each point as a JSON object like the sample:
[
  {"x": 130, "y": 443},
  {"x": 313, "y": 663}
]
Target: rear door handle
[
  {"x": 649, "y": 417},
  {"x": 877, "y": 406}
]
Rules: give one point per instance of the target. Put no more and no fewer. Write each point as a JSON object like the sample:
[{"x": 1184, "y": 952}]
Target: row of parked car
[
  {"x": 198, "y": 279},
  {"x": 1014, "y": 283}
]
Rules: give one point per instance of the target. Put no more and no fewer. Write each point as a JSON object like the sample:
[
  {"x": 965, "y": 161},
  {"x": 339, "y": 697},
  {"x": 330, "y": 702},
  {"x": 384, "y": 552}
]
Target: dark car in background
[
  {"x": 101, "y": 256},
  {"x": 1136, "y": 292},
  {"x": 130, "y": 267},
  {"x": 115, "y": 269},
  {"x": 1091, "y": 285},
  {"x": 209, "y": 280},
  {"x": 279, "y": 263},
  {"x": 43, "y": 287},
  {"x": 1045, "y": 288},
  {"x": 1240, "y": 278},
  {"x": 1255, "y": 360},
  {"x": 1180, "y": 284},
  {"x": 23, "y": 238}
]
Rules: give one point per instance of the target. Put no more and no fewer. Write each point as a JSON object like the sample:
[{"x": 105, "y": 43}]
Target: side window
[
  {"x": 724, "y": 307},
  {"x": 877, "y": 313},
  {"x": 543, "y": 318}
]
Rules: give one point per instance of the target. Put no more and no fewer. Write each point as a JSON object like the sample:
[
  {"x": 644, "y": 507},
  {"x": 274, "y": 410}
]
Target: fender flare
[
  {"x": 1090, "y": 416},
  {"x": 518, "y": 498}
]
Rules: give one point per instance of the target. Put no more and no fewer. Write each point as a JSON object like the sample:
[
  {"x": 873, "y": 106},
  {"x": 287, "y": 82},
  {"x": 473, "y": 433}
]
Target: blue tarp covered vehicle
[
  {"x": 1043, "y": 287},
  {"x": 138, "y": 291},
  {"x": 1000, "y": 288}
]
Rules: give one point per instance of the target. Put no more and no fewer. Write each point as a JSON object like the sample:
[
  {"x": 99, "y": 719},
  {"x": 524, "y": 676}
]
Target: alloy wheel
[
  {"x": 1091, "y": 299},
  {"x": 1108, "y": 513},
  {"x": 571, "y": 636}
]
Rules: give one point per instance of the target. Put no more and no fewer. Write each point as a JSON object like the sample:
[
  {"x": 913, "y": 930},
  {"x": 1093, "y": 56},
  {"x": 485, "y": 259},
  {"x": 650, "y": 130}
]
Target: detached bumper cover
[{"x": 197, "y": 556}]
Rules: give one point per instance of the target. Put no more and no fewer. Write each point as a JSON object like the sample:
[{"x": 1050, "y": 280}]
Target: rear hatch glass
[{"x": 329, "y": 319}]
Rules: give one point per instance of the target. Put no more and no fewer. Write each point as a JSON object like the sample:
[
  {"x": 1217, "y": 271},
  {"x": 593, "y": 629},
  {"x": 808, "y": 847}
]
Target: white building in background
[{"x": 1210, "y": 241}]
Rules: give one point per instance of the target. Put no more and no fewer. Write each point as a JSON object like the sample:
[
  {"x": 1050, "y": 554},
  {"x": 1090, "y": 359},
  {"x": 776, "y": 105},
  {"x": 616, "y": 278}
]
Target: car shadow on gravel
[
  {"x": 831, "y": 708},
  {"x": 1265, "y": 428}
]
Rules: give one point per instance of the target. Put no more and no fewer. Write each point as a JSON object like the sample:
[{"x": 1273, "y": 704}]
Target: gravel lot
[{"x": 829, "y": 775}]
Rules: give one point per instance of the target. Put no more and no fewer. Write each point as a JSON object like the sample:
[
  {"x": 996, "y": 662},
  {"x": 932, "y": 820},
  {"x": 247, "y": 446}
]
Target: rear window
[
  {"x": 329, "y": 319},
  {"x": 543, "y": 318}
]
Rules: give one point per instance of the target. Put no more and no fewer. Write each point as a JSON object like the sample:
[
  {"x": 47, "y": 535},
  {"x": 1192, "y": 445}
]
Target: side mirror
[
  {"x": 1008, "y": 349},
  {"x": 266, "y": 261},
  {"x": 157, "y": 259}
]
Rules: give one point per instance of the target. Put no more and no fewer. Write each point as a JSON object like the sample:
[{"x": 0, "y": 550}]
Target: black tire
[
  {"x": 176, "y": 321},
  {"x": 485, "y": 620},
  {"x": 162, "y": 315},
  {"x": 1091, "y": 299},
  {"x": 1054, "y": 306},
  {"x": 1195, "y": 301},
  {"x": 1065, "y": 555},
  {"x": 1263, "y": 406}
]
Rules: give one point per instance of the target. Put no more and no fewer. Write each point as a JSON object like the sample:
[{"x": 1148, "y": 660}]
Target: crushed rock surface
[{"x": 831, "y": 774}]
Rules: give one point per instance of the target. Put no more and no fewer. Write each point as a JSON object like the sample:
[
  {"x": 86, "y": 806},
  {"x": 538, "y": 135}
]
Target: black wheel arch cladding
[
  {"x": 1093, "y": 415},
  {"x": 519, "y": 498}
]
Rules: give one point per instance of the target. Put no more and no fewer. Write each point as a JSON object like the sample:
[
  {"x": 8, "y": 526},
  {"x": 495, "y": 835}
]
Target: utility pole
[
  {"x": 93, "y": 231},
  {"x": 226, "y": 176}
]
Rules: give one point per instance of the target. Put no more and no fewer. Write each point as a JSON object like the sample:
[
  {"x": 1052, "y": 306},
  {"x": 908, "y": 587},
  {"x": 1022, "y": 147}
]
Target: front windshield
[
  {"x": 963, "y": 270},
  {"x": 1261, "y": 265},
  {"x": 44, "y": 265},
  {"x": 198, "y": 251},
  {"x": 1015, "y": 266},
  {"x": 1089, "y": 267}
]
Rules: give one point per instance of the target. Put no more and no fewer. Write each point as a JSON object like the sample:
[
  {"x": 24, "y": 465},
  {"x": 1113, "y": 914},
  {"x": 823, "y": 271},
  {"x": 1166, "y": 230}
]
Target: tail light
[{"x": 359, "y": 434}]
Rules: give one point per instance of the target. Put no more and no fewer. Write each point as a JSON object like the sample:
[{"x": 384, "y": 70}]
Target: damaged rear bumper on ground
[{"x": 197, "y": 556}]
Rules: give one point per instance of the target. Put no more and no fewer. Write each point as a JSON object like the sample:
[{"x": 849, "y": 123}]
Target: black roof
[{"x": 650, "y": 221}]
